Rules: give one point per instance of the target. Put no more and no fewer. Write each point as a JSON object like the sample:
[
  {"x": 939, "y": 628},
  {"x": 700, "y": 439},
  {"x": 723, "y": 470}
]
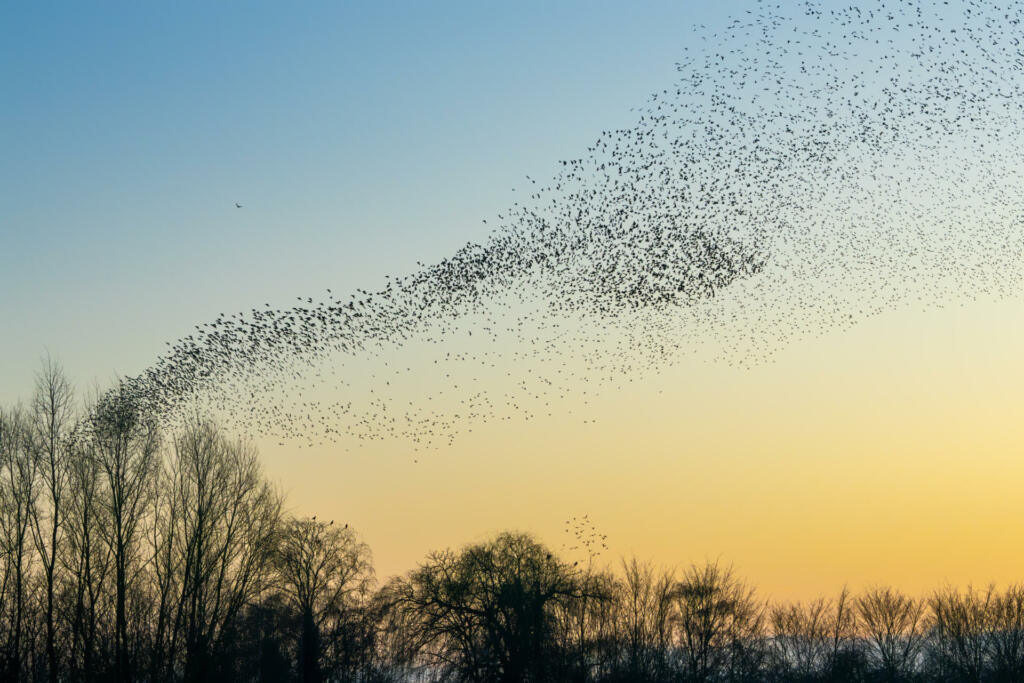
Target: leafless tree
[
  {"x": 644, "y": 605},
  {"x": 1006, "y": 635},
  {"x": 213, "y": 533},
  {"x": 585, "y": 624},
  {"x": 801, "y": 635},
  {"x": 18, "y": 492},
  {"x": 959, "y": 626},
  {"x": 86, "y": 559},
  {"x": 52, "y": 423},
  {"x": 817, "y": 640},
  {"x": 894, "y": 627},
  {"x": 719, "y": 623},
  {"x": 125, "y": 445},
  {"x": 121, "y": 559},
  {"x": 323, "y": 568},
  {"x": 398, "y": 638},
  {"x": 485, "y": 613}
]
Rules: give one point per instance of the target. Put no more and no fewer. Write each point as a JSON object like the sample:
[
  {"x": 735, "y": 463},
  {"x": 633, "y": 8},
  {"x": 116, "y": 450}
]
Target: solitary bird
[{"x": 237, "y": 205}]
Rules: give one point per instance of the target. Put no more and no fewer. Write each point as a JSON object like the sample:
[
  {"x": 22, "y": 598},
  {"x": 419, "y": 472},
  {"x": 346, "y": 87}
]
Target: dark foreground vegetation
[{"x": 131, "y": 553}]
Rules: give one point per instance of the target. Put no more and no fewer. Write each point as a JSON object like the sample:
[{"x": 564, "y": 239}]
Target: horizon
[{"x": 362, "y": 141}]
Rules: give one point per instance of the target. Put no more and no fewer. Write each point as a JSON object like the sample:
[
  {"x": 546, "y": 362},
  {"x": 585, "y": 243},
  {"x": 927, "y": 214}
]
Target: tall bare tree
[
  {"x": 52, "y": 415},
  {"x": 125, "y": 445},
  {"x": 845, "y": 652},
  {"x": 321, "y": 567},
  {"x": 86, "y": 559},
  {"x": 645, "y": 627},
  {"x": 214, "y": 555},
  {"x": 18, "y": 492}
]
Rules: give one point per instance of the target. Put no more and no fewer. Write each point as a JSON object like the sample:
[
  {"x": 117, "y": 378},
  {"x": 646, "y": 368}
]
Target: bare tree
[
  {"x": 1006, "y": 635},
  {"x": 167, "y": 580},
  {"x": 845, "y": 654},
  {"x": 322, "y": 568},
  {"x": 959, "y": 630},
  {"x": 124, "y": 443},
  {"x": 719, "y": 623},
  {"x": 818, "y": 640},
  {"x": 645, "y": 620},
  {"x": 894, "y": 626},
  {"x": 18, "y": 492},
  {"x": 398, "y": 638},
  {"x": 585, "y": 624},
  {"x": 486, "y": 613},
  {"x": 227, "y": 515},
  {"x": 52, "y": 415},
  {"x": 802, "y": 636},
  {"x": 86, "y": 559}
]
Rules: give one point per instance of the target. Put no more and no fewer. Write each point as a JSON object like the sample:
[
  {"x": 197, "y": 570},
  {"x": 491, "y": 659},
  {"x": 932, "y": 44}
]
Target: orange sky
[
  {"x": 889, "y": 452},
  {"x": 364, "y": 138}
]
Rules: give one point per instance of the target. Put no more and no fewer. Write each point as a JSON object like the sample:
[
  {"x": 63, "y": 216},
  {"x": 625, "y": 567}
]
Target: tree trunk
[{"x": 309, "y": 650}]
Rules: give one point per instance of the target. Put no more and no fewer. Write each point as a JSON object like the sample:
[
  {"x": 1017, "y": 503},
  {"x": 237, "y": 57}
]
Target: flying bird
[{"x": 796, "y": 178}]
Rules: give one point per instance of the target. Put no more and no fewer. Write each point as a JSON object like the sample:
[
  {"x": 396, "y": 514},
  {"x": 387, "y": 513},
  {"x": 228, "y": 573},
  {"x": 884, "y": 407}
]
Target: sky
[{"x": 364, "y": 137}]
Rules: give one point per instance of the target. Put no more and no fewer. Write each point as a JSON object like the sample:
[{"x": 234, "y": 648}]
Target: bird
[
  {"x": 794, "y": 179},
  {"x": 237, "y": 205}
]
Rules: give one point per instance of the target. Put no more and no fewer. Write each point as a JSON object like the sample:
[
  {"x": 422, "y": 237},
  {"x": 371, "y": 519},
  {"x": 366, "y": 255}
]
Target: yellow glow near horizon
[{"x": 888, "y": 453}]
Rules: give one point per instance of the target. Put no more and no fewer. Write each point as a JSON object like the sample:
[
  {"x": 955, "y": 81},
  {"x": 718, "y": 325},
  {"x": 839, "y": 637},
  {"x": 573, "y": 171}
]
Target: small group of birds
[
  {"x": 812, "y": 165},
  {"x": 585, "y": 537}
]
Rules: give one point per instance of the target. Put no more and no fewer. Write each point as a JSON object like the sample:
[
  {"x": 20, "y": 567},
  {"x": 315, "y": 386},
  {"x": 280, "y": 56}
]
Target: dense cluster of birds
[{"x": 812, "y": 165}]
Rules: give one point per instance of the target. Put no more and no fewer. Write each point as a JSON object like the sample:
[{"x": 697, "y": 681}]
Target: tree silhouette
[
  {"x": 323, "y": 570},
  {"x": 485, "y": 613},
  {"x": 124, "y": 442},
  {"x": 215, "y": 529},
  {"x": 894, "y": 628},
  {"x": 719, "y": 621},
  {"x": 51, "y": 424},
  {"x": 18, "y": 492},
  {"x": 132, "y": 550}
]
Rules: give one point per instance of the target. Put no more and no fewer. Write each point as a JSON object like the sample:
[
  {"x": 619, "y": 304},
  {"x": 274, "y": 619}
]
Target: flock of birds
[
  {"x": 586, "y": 538},
  {"x": 812, "y": 165}
]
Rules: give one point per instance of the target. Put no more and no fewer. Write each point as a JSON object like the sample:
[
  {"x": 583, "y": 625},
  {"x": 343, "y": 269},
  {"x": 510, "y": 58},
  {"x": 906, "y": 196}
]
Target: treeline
[{"x": 132, "y": 553}]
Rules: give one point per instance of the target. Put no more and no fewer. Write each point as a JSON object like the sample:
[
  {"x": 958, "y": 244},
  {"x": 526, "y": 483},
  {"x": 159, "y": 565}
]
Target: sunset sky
[{"x": 364, "y": 137}]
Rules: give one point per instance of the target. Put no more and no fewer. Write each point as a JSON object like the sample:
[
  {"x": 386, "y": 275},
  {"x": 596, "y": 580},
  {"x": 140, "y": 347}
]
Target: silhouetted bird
[{"x": 812, "y": 166}]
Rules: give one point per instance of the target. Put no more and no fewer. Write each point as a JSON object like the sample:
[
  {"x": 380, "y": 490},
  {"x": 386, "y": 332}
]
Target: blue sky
[{"x": 361, "y": 137}]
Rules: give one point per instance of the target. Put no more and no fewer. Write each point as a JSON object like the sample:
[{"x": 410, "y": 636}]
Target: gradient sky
[{"x": 363, "y": 137}]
